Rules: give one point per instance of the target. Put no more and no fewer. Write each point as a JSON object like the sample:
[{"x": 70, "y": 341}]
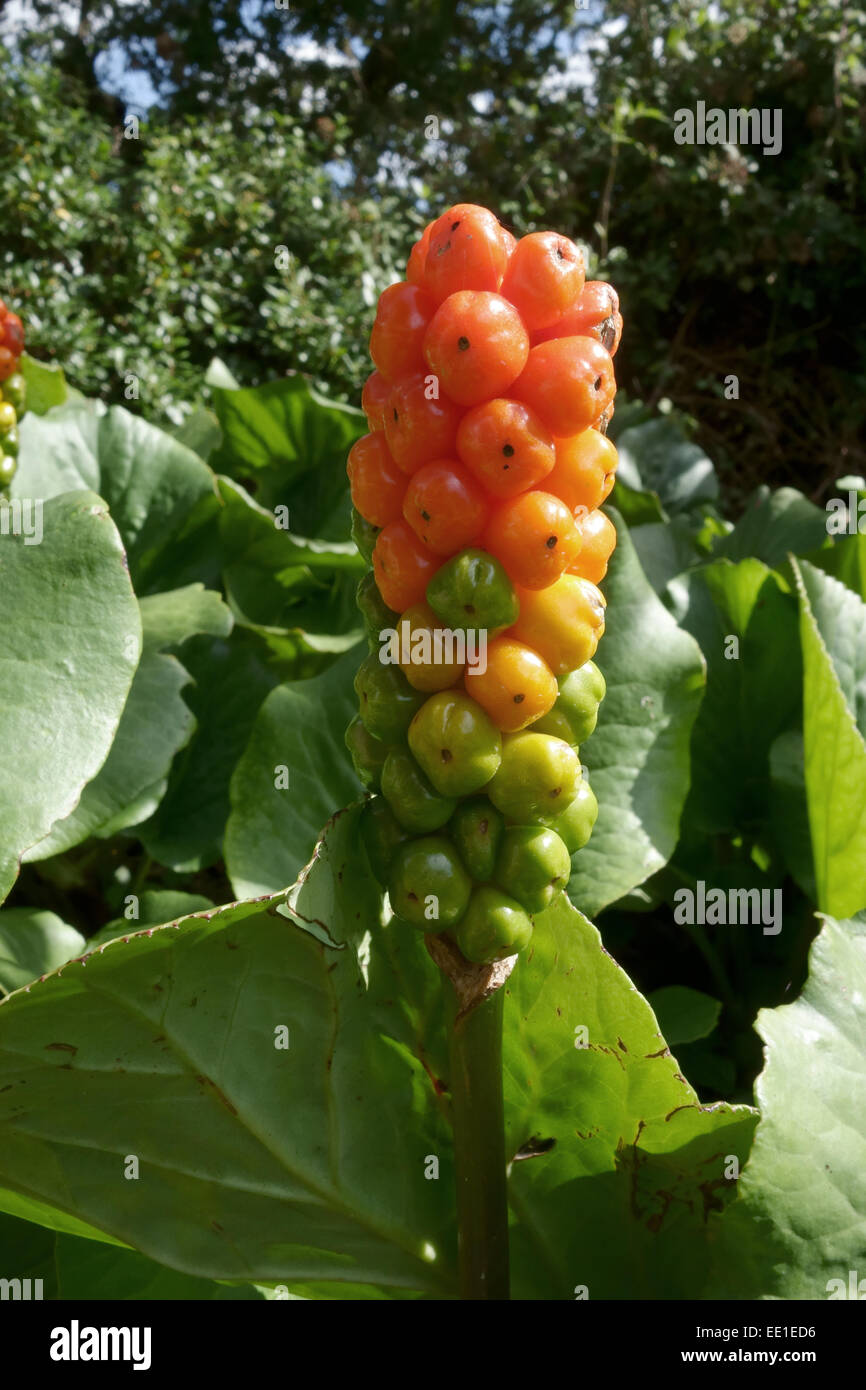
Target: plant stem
[{"x": 479, "y": 1149}]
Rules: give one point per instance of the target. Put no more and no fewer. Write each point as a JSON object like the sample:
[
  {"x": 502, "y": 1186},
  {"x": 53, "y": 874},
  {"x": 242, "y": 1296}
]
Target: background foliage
[{"x": 308, "y": 129}]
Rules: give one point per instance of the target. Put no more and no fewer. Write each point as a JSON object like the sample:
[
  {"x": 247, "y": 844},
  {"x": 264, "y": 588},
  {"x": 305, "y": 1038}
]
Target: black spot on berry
[
  {"x": 508, "y": 450},
  {"x": 454, "y": 226},
  {"x": 426, "y": 516},
  {"x": 518, "y": 699},
  {"x": 463, "y": 343},
  {"x": 550, "y": 542},
  {"x": 469, "y": 608},
  {"x": 596, "y": 385},
  {"x": 446, "y": 755},
  {"x": 396, "y": 416}
]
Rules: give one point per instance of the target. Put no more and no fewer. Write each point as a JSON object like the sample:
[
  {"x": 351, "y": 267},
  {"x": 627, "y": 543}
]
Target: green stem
[{"x": 479, "y": 1149}]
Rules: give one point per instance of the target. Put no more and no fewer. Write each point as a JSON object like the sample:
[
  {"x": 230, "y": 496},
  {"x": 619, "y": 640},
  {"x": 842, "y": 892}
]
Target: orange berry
[
  {"x": 597, "y": 543},
  {"x": 585, "y": 470},
  {"x": 516, "y": 687},
  {"x": 569, "y": 382},
  {"x": 466, "y": 251},
  {"x": 534, "y": 537},
  {"x": 420, "y": 429},
  {"x": 8, "y": 363},
  {"x": 563, "y": 623},
  {"x": 432, "y": 665},
  {"x": 402, "y": 566},
  {"x": 418, "y": 256},
  {"x": 397, "y": 339},
  {"x": 506, "y": 446},
  {"x": 477, "y": 345},
  {"x": 445, "y": 507},
  {"x": 376, "y": 483},
  {"x": 374, "y": 400},
  {"x": 593, "y": 315},
  {"x": 544, "y": 278},
  {"x": 12, "y": 334}
]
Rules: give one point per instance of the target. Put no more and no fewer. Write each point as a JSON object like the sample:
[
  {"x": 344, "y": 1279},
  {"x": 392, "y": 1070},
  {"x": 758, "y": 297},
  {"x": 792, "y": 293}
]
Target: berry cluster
[
  {"x": 476, "y": 497},
  {"x": 13, "y": 391}
]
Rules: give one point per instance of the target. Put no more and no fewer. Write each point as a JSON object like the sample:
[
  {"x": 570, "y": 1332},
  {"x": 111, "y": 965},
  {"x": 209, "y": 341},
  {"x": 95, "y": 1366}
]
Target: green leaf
[
  {"x": 664, "y": 550},
  {"x": 257, "y": 1162},
  {"x": 46, "y": 384},
  {"x": 684, "y": 1014},
  {"x": 638, "y": 757},
  {"x": 32, "y": 943},
  {"x": 149, "y": 480},
  {"x": 846, "y": 560},
  {"x": 171, "y": 618},
  {"x": 746, "y": 624},
  {"x": 200, "y": 432},
  {"x": 70, "y": 638},
  {"x": 155, "y": 723},
  {"x": 656, "y": 457},
  {"x": 229, "y": 684},
  {"x": 154, "y": 908},
  {"x": 636, "y": 508},
  {"x": 800, "y": 1217},
  {"x": 273, "y": 829},
  {"x": 789, "y": 810},
  {"x": 833, "y": 636},
  {"x": 73, "y": 1268},
  {"x": 775, "y": 524},
  {"x": 618, "y": 1202},
  {"x": 285, "y": 428}
]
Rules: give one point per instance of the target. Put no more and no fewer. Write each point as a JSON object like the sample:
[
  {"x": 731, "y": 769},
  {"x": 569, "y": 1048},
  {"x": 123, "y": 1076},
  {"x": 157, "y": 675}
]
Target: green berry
[
  {"x": 364, "y": 534},
  {"x": 415, "y": 802},
  {"x": 428, "y": 886},
  {"x": 537, "y": 776},
  {"x": 456, "y": 743},
  {"x": 472, "y": 590},
  {"x": 386, "y": 699},
  {"x": 533, "y": 866},
  {"x": 476, "y": 829},
  {"x": 368, "y": 753},
  {"x": 574, "y": 824},
  {"x": 575, "y": 713},
  {"x": 382, "y": 835},
  {"x": 493, "y": 926}
]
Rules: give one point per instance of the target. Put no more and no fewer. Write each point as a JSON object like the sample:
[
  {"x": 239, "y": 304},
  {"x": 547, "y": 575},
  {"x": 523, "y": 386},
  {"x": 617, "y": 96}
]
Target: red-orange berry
[
  {"x": 594, "y": 315},
  {"x": 12, "y": 334},
  {"x": 402, "y": 566},
  {"x": 534, "y": 537},
  {"x": 418, "y": 257},
  {"x": 374, "y": 400},
  {"x": 506, "y": 446},
  {"x": 516, "y": 687},
  {"x": 397, "y": 339},
  {"x": 377, "y": 484},
  {"x": 420, "y": 424},
  {"x": 466, "y": 251},
  {"x": 569, "y": 382},
  {"x": 445, "y": 506},
  {"x": 8, "y": 363},
  {"x": 544, "y": 278},
  {"x": 585, "y": 470},
  {"x": 476, "y": 345},
  {"x": 597, "y": 543}
]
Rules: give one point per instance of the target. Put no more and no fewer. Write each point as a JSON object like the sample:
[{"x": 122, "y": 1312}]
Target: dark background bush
[{"x": 306, "y": 128}]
